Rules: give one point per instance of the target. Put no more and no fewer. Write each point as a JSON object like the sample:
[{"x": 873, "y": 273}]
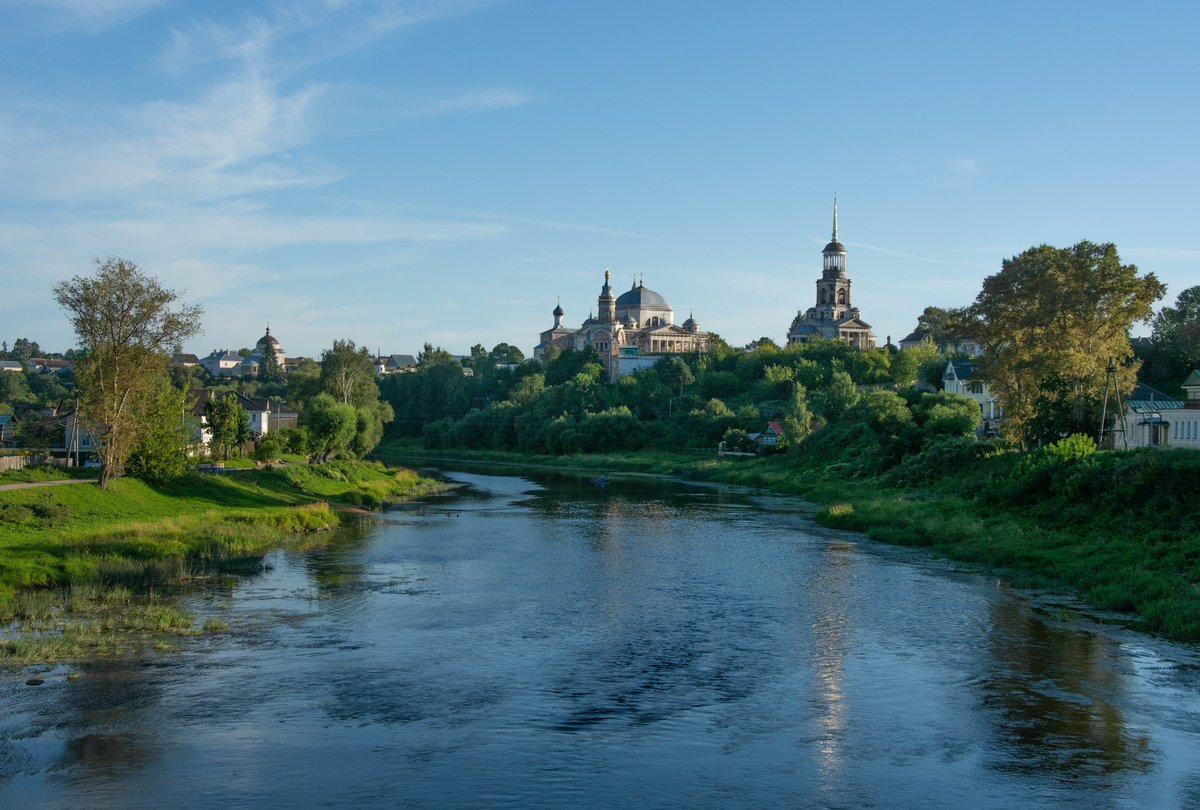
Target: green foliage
[
  {"x": 163, "y": 444},
  {"x": 1058, "y": 314},
  {"x": 945, "y": 414},
  {"x": 270, "y": 448},
  {"x": 348, "y": 374},
  {"x": 331, "y": 425},
  {"x": 126, "y": 324},
  {"x": 1174, "y": 350},
  {"x": 836, "y": 399},
  {"x": 228, "y": 424},
  {"x": 270, "y": 369}
]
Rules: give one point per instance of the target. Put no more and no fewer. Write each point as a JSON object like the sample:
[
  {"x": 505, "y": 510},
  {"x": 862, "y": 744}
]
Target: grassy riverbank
[
  {"x": 72, "y": 557},
  {"x": 1121, "y": 530}
]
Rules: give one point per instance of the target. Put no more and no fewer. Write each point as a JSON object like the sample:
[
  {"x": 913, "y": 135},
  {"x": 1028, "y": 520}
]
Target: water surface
[{"x": 546, "y": 643}]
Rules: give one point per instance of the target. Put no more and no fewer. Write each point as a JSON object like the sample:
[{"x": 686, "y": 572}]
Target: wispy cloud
[
  {"x": 915, "y": 258},
  {"x": 232, "y": 140},
  {"x": 964, "y": 166},
  {"x": 476, "y": 102},
  {"x": 302, "y": 33},
  {"x": 94, "y": 13}
]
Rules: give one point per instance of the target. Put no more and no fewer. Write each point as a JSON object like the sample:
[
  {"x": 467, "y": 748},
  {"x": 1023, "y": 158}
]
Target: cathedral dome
[
  {"x": 640, "y": 296},
  {"x": 265, "y": 339}
]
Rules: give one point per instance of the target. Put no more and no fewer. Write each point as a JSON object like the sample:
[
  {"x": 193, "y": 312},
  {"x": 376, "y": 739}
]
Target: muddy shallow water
[{"x": 544, "y": 642}]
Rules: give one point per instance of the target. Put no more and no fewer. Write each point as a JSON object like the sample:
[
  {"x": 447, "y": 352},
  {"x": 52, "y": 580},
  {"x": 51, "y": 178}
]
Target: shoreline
[
  {"x": 79, "y": 569},
  {"x": 1110, "y": 570}
]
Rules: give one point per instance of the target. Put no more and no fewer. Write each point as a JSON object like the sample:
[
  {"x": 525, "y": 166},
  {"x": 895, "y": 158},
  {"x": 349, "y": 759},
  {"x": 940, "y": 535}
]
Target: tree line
[{"x": 1048, "y": 322}]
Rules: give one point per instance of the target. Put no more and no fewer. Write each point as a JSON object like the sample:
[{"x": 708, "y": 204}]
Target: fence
[
  {"x": 13, "y": 463},
  {"x": 20, "y": 462}
]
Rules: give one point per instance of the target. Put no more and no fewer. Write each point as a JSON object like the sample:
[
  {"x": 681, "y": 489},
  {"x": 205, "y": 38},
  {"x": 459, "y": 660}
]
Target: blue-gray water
[{"x": 547, "y": 643}]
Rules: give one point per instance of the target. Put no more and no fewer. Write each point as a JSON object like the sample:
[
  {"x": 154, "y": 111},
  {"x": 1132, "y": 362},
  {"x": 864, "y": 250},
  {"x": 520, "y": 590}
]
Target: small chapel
[{"x": 834, "y": 317}]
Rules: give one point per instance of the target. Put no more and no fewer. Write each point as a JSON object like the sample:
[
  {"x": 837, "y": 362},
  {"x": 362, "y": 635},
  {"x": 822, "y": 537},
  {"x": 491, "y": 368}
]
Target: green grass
[
  {"x": 138, "y": 535},
  {"x": 46, "y": 473}
]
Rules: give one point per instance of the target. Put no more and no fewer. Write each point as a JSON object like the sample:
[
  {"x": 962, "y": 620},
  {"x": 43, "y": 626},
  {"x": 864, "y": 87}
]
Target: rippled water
[{"x": 548, "y": 643}]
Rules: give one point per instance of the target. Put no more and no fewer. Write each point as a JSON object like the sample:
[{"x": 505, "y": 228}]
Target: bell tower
[{"x": 833, "y": 287}]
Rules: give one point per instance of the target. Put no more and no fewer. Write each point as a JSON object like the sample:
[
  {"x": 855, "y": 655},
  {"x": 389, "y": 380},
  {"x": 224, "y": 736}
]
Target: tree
[
  {"x": 1058, "y": 314},
  {"x": 506, "y": 354},
  {"x": 161, "y": 451},
  {"x": 126, "y": 322},
  {"x": 675, "y": 373},
  {"x": 23, "y": 350},
  {"x": 1177, "y": 332},
  {"x": 269, "y": 370},
  {"x": 331, "y": 425},
  {"x": 348, "y": 374},
  {"x": 836, "y": 399},
  {"x": 228, "y": 423}
]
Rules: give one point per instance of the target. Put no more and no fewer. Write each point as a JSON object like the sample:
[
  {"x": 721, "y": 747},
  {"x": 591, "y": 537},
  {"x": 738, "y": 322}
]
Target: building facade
[
  {"x": 225, "y": 363},
  {"x": 631, "y": 331},
  {"x": 834, "y": 317}
]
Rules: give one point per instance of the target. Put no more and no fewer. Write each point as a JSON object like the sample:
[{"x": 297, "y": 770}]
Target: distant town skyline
[{"x": 397, "y": 173}]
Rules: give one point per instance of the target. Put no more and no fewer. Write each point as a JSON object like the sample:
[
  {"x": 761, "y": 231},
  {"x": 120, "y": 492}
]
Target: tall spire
[{"x": 835, "y": 217}]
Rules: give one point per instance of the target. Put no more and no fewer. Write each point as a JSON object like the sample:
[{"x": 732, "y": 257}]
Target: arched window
[{"x": 841, "y": 296}]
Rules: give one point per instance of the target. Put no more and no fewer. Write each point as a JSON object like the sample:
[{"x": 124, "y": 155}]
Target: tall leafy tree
[
  {"x": 23, "y": 349},
  {"x": 1177, "y": 332},
  {"x": 1056, "y": 316},
  {"x": 348, "y": 374},
  {"x": 228, "y": 423},
  {"x": 127, "y": 323},
  {"x": 161, "y": 451}
]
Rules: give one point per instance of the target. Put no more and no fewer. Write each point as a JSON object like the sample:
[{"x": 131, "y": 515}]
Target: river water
[{"x": 543, "y": 642}]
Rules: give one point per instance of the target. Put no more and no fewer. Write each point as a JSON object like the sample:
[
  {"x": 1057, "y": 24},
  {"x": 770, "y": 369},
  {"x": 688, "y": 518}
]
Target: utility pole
[{"x": 1111, "y": 388}]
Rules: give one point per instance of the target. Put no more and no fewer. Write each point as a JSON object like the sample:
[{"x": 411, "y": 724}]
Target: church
[
  {"x": 833, "y": 317},
  {"x": 634, "y": 330}
]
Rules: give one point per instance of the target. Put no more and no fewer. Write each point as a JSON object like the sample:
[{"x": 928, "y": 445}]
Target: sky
[{"x": 396, "y": 173}]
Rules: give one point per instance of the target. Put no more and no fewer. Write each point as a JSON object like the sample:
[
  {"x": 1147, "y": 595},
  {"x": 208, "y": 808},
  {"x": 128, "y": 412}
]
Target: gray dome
[
  {"x": 834, "y": 247},
  {"x": 691, "y": 325},
  {"x": 640, "y": 296},
  {"x": 558, "y": 311}
]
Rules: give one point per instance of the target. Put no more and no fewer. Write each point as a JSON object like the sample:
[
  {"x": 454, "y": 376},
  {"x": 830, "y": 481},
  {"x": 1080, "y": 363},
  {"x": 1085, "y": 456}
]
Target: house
[
  {"x": 223, "y": 363},
  {"x": 767, "y": 438},
  {"x": 395, "y": 364},
  {"x": 1153, "y": 419},
  {"x": 49, "y": 365},
  {"x": 11, "y": 365},
  {"x": 77, "y": 439},
  {"x": 264, "y": 416},
  {"x": 961, "y": 377},
  {"x": 948, "y": 344},
  {"x": 185, "y": 360}
]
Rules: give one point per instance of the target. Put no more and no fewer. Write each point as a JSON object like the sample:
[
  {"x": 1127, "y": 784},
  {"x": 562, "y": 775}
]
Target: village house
[
  {"x": 961, "y": 377},
  {"x": 1153, "y": 419},
  {"x": 395, "y": 364}
]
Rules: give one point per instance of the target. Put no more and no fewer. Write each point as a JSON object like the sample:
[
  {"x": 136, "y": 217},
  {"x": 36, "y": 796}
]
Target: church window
[{"x": 841, "y": 296}]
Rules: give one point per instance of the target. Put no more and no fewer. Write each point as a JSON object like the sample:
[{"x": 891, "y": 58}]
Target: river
[{"x": 539, "y": 641}]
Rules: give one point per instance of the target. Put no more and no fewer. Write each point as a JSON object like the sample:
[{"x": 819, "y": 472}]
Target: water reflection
[
  {"x": 829, "y": 629},
  {"x": 551, "y": 643},
  {"x": 1055, "y": 697}
]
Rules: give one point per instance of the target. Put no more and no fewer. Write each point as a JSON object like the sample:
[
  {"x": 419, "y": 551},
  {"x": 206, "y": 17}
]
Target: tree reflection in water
[{"x": 1051, "y": 694}]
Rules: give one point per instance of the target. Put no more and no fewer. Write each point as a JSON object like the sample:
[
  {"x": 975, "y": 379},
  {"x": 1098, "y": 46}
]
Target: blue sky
[{"x": 402, "y": 172}]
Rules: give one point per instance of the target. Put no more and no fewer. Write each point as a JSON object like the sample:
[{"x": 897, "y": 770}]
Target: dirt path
[{"x": 31, "y": 484}]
